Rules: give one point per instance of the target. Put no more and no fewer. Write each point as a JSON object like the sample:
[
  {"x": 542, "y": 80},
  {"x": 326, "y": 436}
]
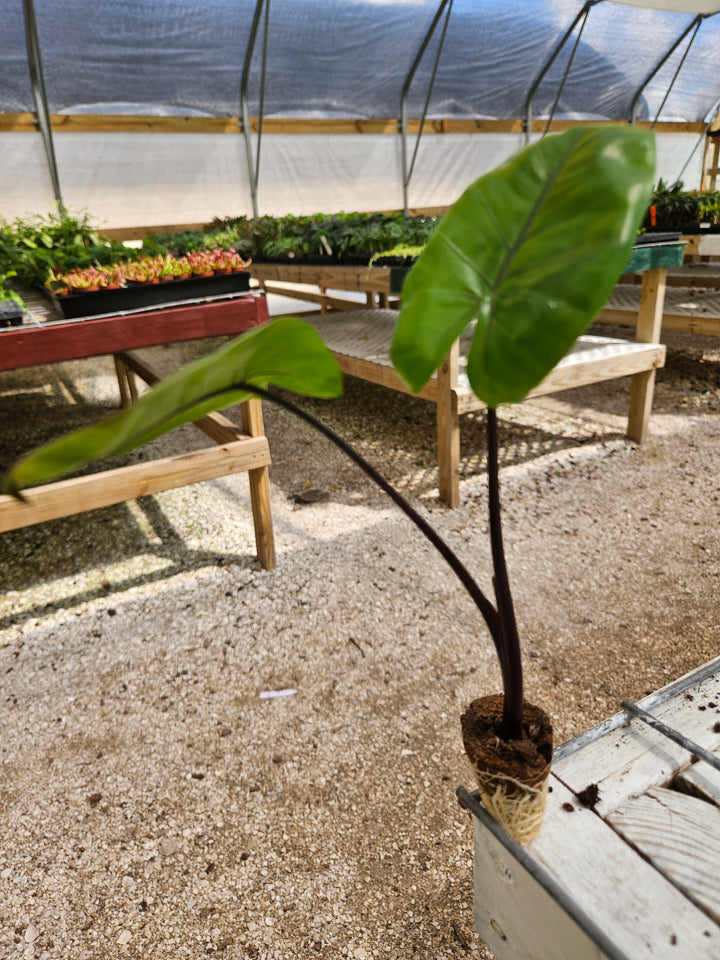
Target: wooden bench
[
  {"x": 361, "y": 340},
  {"x": 634, "y": 875},
  {"x": 311, "y": 283},
  {"x": 238, "y": 449},
  {"x": 694, "y": 309}
]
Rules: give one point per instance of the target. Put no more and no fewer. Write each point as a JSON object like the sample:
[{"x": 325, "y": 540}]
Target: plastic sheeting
[
  {"x": 350, "y": 58},
  {"x": 326, "y": 59},
  {"x": 132, "y": 180}
]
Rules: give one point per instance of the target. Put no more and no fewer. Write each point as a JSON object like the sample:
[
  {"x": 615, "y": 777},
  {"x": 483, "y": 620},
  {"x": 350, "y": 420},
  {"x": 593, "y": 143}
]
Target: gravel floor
[{"x": 155, "y": 804}]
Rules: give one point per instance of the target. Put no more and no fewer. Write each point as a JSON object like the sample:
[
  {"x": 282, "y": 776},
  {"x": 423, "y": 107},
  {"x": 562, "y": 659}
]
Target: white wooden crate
[{"x": 638, "y": 875}]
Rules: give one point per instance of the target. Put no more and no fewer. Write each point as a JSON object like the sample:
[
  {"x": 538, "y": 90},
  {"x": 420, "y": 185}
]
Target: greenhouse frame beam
[
  {"x": 408, "y": 171},
  {"x": 582, "y": 15},
  {"x": 694, "y": 25},
  {"x": 254, "y": 167},
  {"x": 39, "y": 92}
]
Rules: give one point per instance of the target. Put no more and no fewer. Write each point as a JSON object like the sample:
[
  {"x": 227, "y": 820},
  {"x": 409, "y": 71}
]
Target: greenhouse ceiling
[
  {"x": 353, "y": 58},
  {"x": 132, "y": 98}
]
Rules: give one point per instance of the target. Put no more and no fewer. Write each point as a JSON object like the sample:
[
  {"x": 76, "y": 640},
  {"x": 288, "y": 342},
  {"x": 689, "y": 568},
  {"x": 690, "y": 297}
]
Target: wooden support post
[
  {"x": 649, "y": 325},
  {"x": 252, "y": 420},
  {"x": 121, "y": 372},
  {"x": 448, "y": 428}
]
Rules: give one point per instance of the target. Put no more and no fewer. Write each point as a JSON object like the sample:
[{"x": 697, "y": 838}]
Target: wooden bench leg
[
  {"x": 448, "y": 429},
  {"x": 252, "y": 420},
  {"x": 649, "y": 325},
  {"x": 126, "y": 382}
]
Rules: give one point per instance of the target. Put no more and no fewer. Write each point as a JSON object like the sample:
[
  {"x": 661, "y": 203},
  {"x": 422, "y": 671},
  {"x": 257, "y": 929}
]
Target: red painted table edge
[{"x": 29, "y": 346}]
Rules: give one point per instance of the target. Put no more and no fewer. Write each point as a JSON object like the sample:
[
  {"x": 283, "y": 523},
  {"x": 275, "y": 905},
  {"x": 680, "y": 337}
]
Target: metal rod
[
  {"x": 261, "y": 101},
  {"x": 694, "y": 24},
  {"x": 426, "y": 105},
  {"x": 549, "y": 62},
  {"x": 700, "y": 139},
  {"x": 42, "y": 113},
  {"x": 675, "y": 75},
  {"x": 244, "y": 112},
  {"x": 406, "y": 90},
  {"x": 565, "y": 75},
  {"x": 674, "y": 735},
  {"x": 656, "y": 699}
]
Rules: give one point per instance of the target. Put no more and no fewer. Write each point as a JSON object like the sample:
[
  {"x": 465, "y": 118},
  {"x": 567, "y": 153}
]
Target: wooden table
[
  {"x": 376, "y": 283},
  {"x": 636, "y": 876},
  {"x": 50, "y": 340},
  {"x": 360, "y": 341}
]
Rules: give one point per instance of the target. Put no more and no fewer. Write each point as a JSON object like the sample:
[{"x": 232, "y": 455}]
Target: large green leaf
[
  {"x": 532, "y": 251},
  {"x": 284, "y": 352}
]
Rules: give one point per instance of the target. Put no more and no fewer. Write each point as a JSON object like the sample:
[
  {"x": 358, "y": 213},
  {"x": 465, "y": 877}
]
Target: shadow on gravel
[
  {"x": 74, "y": 545},
  {"x": 397, "y": 433}
]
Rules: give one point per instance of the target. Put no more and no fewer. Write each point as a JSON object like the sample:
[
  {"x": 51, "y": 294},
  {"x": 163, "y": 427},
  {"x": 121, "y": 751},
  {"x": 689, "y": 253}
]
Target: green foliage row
[
  {"x": 36, "y": 246},
  {"x": 680, "y": 209},
  {"x": 336, "y": 236}
]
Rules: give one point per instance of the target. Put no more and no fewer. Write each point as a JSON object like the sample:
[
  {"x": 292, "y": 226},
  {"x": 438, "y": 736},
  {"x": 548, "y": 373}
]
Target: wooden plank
[
  {"x": 140, "y": 233},
  {"x": 122, "y": 378},
  {"x": 381, "y": 374},
  {"x": 678, "y": 322},
  {"x": 649, "y": 323},
  {"x": 699, "y": 780},
  {"x": 680, "y": 835},
  {"x": 448, "y": 428},
  {"x": 109, "y": 123},
  {"x": 73, "y": 339},
  {"x": 260, "y": 489},
  {"x": 363, "y": 279},
  {"x": 67, "y": 497},
  {"x": 322, "y": 299},
  {"x": 635, "y": 907},
  {"x": 516, "y": 915},
  {"x": 692, "y": 244},
  {"x": 599, "y": 358},
  {"x": 628, "y": 758}
]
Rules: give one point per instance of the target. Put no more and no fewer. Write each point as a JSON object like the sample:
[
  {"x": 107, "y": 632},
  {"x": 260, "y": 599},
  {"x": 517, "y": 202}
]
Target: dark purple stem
[
  {"x": 510, "y": 659},
  {"x": 484, "y": 605}
]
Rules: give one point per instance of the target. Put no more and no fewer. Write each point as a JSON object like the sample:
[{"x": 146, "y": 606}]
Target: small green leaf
[
  {"x": 531, "y": 251},
  {"x": 284, "y": 352}
]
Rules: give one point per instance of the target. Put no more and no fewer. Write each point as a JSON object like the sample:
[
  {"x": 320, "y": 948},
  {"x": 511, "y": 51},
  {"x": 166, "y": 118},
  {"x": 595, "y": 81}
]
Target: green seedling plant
[
  {"x": 6, "y": 293},
  {"x": 529, "y": 254}
]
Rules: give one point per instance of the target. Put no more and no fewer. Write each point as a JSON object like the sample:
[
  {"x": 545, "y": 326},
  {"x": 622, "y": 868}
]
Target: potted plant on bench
[
  {"x": 12, "y": 306},
  {"x": 529, "y": 253}
]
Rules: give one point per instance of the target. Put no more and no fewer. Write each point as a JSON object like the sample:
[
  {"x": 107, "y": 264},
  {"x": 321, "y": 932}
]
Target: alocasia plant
[{"x": 529, "y": 253}]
